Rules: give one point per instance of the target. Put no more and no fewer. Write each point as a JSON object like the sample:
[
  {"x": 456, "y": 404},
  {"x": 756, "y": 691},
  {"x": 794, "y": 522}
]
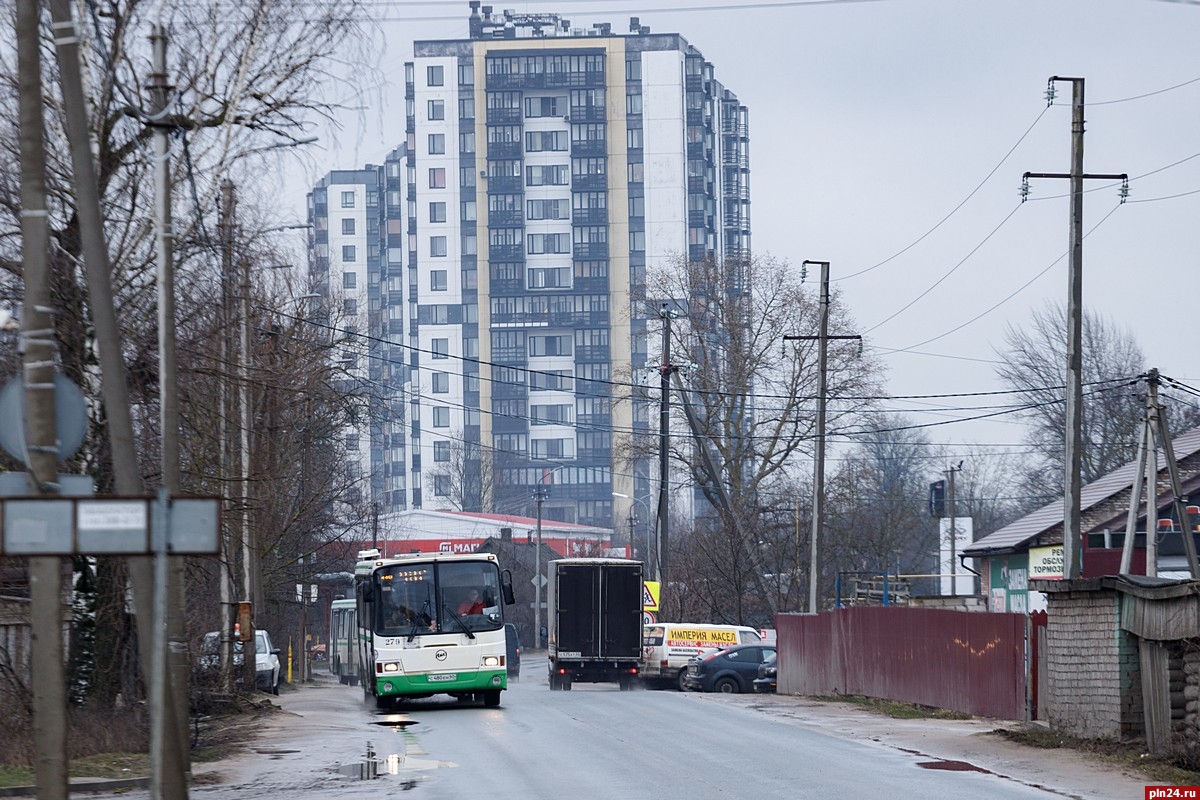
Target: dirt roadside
[{"x": 966, "y": 744}]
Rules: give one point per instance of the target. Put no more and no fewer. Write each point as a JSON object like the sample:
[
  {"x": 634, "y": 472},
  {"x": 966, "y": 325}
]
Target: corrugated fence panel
[{"x": 963, "y": 661}]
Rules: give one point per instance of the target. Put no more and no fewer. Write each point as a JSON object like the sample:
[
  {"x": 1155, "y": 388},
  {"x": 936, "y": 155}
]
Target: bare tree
[
  {"x": 1034, "y": 365},
  {"x": 461, "y": 474},
  {"x": 752, "y": 400},
  {"x": 247, "y": 79}
]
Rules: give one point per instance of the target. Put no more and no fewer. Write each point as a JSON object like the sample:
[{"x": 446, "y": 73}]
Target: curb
[{"x": 82, "y": 785}]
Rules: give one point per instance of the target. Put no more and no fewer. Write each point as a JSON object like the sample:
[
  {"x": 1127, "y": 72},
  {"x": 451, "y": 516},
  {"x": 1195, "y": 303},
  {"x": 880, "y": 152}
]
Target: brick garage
[{"x": 1123, "y": 659}]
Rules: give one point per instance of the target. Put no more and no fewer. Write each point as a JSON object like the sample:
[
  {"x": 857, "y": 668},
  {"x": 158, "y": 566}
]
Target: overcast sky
[{"x": 889, "y": 138}]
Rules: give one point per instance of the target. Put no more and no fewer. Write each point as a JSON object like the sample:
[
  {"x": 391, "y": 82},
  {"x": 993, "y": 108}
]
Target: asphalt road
[{"x": 597, "y": 742}]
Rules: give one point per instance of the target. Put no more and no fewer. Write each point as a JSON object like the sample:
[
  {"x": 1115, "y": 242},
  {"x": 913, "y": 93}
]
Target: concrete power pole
[
  {"x": 39, "y": 356},
  {"x": 1073, "y": 456},
  {"x": 662, "y": 533},
  {"x": 170, "y": 678},
  {"x": 818, "y": 511}
]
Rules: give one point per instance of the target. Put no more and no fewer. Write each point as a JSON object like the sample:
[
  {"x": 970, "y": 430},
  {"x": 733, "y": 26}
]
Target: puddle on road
[
  {"x": 394, "y": 721},
  {"x": 953, "y": 766}
]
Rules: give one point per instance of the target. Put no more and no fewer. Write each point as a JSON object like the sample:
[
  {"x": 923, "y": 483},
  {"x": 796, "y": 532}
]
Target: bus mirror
[{"x": 506, "y": 589}]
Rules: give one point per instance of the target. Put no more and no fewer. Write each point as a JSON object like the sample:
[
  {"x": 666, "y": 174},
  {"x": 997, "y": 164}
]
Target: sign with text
[
  {"x": 65, "y": 526},
  {"x": 1046, "y": 562}
]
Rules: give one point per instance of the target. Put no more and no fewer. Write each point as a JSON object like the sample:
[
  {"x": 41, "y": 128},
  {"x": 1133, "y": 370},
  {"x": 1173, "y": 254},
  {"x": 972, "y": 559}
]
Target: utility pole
[
  {"x": 39, "y": 355},
  {"x": 952, "y": 508},
  {"x": 538, "y": 496},
  {"x": 818, "y": 512},
  {"x": 225, "y": 227},
  {"x": 168, "y": 675},
  {"x": 665, "y": 370},
  {"x": 1073, "y": 457},
  {"x": 1154, "y": 434}
]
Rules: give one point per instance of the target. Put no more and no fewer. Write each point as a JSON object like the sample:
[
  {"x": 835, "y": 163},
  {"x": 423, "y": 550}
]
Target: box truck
[{"x": 595, "y": 621}]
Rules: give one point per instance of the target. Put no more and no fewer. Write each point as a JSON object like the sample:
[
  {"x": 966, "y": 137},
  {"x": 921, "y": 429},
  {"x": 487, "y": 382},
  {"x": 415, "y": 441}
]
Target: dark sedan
[
  {"x": 732, "y": 670},
  {"x": 765, "y": 682}
]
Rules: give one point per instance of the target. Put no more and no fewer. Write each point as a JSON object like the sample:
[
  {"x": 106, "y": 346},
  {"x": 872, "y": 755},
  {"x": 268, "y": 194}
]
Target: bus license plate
[{"x": 443, "y": 676}]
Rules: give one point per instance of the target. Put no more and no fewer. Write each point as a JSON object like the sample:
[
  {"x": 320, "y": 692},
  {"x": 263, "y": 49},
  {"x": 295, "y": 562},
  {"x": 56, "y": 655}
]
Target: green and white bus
[
  {"x": 432, "y": 624},
  {"x": 343, "y": 640}
]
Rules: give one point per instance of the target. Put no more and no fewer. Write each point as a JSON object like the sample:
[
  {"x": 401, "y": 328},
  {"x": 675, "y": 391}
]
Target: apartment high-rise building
[{"x": 545, "y": 166}]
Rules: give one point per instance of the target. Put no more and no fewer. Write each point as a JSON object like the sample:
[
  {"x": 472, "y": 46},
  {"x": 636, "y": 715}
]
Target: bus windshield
[{"x": 438, "y": 597}]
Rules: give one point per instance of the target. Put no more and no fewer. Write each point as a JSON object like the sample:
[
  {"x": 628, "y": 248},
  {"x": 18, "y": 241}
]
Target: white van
[{"x": 667, "y": 646}]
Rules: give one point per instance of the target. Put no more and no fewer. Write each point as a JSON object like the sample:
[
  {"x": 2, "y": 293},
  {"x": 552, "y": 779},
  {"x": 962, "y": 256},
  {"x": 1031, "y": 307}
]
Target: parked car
[
  {"x": 731, "y": 670},
  {"x": 266, "y": 658},
  {"x": 514, "y": 650},
  {"x": 765, "y": 682}
]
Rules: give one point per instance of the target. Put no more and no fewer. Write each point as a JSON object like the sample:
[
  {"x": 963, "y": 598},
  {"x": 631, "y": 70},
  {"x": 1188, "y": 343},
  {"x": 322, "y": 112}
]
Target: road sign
[
  {"x": 539, "y": 578},
  {"x": 650, "y": 595},
  {"x": 65, "y": 526},
  {"x": 648, "y": 618}
]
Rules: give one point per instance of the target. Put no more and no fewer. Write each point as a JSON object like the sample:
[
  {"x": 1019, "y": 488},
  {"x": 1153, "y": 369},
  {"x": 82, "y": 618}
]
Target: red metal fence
[{"x": 963, "y": 661}]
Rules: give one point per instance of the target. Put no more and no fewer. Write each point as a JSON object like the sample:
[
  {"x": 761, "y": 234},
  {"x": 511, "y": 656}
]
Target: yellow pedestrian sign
[{"x": 650, "y": 595}]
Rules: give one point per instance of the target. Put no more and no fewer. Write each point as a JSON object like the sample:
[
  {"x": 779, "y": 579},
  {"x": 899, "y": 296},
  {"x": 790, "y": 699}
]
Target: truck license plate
[{"x": 443, "y": 676}]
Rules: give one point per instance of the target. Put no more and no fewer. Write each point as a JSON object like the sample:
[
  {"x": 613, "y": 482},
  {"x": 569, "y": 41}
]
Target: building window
[
  {"x": 349, "y": 253},
  {"x": 539, "y": 243},
  {"x": 437, "y": 212},
  {"x": 437, "y": 144},
  {"x": 441, "y": 382},
  {"x": 546, "y": 106},
  {"x": 437, "y": 178},
  {"x": 441, "y": 417},
  {"x": 441, "y": 451},
  {"x": 466, "y": 74},
  {"x": 440, "y": 348},
  {"x": 547, "y": 175},
  {"x": 434, "y": 76},
  {"x": 558, "y": 345},
  {"x": 349, "y": 308},
  {"x": 470, "y": 245},
  {"x": 437, "y": 246},
  {"x": 441, "y": 485},
  {"x": 347, "y": 199},
  {"x": 348, "y": 226},
  {"x": 437, "y": 109},
  {"x": 633, "y": 70},
  {"x": 540, "y": 141},
  {"x": 437, "y": 280},
  {"x": 466, "y": 108},
  {"x": 349, "y": 280},
  {"x": 634, "y": 138},
  {"x": 547, "y": 209},
  {"x": 466, "y": 142},
  {"x": 548, "y": 277},
  {"x": 468, "y": 211}
]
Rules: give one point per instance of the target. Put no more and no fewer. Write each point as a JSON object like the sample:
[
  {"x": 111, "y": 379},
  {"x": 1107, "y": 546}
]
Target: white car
[
  {"x": 266, "y": 658},
  {"x": 266, "y": 662}
]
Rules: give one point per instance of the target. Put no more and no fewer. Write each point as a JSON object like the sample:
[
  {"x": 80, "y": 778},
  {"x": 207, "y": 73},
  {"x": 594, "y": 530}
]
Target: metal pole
[
  {"x": 1072, "y": 519},
  {"x": 818, "y": 515}
]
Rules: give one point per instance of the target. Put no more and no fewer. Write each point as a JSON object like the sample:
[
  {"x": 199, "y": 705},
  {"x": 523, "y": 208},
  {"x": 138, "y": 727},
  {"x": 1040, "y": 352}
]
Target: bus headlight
[
  {"x": 492, "y": 661},
  {"x": 391, "y": 666}
]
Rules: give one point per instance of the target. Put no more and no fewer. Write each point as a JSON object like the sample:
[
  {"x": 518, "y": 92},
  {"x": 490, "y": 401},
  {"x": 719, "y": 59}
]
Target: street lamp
[{"x": 632, "y": 518}]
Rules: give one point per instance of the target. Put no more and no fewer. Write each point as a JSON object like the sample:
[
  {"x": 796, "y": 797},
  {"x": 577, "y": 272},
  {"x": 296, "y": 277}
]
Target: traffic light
[{"x": 937, "y": 499}]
